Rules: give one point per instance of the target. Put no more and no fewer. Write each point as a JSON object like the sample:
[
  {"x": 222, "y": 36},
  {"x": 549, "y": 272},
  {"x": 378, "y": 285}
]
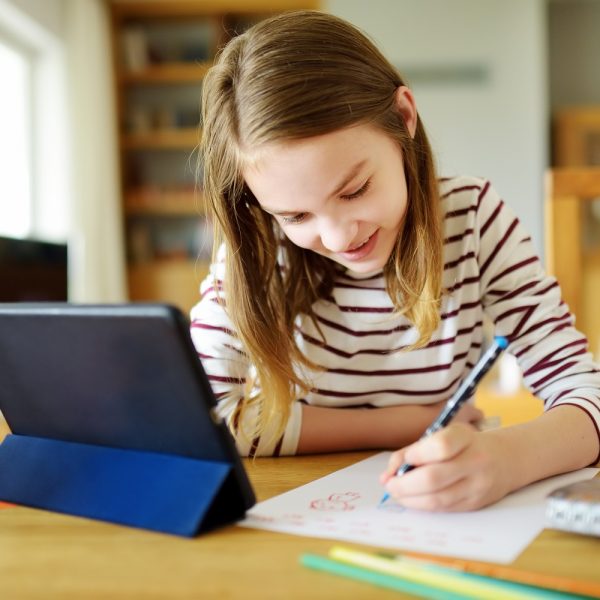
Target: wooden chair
[
  {"x": 576, "y": 133},
  {"x": 577, "y": 268}
]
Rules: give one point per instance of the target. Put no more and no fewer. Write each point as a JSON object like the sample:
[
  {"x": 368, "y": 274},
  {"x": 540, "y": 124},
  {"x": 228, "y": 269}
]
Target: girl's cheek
[{"x": 305, "y": 239}]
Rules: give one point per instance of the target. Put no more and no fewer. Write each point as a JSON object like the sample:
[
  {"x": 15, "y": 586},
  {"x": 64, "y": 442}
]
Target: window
[{"x": 15, "y": 142}]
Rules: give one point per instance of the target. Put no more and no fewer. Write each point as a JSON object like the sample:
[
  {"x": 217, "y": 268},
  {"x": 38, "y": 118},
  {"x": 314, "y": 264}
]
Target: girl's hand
[{"x": 458, "y": 469}]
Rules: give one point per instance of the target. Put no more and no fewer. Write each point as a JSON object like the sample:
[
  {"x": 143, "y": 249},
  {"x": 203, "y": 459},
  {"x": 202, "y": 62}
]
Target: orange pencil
[{"x": 543, "y": 580}]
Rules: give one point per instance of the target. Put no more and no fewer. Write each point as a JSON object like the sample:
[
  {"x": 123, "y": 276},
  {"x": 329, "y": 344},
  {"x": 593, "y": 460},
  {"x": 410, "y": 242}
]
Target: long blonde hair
[{"x": 298, "y": 75}]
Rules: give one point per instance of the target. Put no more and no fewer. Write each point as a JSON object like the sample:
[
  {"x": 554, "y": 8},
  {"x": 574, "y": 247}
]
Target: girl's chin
[
  {"x": 360, "y": 267},
  {"x": 366, "y": 268}
]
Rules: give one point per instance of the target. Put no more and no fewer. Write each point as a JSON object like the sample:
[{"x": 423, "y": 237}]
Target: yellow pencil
[{"x": 418, "y": 574}]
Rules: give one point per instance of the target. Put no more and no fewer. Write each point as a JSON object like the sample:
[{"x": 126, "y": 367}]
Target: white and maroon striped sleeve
[
  {"x": 227, "y": 366},
  {"x": 526, "y": 306}
]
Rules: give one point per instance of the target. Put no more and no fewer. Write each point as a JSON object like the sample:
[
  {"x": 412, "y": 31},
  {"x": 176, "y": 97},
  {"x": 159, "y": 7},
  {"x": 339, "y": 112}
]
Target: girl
[{"x": 347, "y": 294}]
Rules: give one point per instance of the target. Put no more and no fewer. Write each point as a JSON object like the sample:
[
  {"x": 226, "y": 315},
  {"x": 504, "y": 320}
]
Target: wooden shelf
[
  {"x": 182, "y": 210},
  {"x": 164, "y": 203},
  {"x": 151, "y": 9},
  {"x": 167, "y": 139},
  {"x": 167, "y": 73}
]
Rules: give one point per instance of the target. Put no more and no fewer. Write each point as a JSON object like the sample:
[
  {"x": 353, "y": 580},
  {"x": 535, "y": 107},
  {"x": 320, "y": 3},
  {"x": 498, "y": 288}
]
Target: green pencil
[{"x": 321, "y": 563}]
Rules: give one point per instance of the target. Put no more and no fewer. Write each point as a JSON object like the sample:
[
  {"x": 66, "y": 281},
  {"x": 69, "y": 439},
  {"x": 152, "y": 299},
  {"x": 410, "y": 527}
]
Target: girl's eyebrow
[{"x": 354, "y": 170}]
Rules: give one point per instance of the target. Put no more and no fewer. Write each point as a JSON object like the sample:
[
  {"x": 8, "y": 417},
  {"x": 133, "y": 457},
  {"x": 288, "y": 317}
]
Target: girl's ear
[{"x": 405, "y": 103}]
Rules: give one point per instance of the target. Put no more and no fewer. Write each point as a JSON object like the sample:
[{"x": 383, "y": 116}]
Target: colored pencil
[
  {"x": 510, "y": 573},
  {"x": 464, "y": 585},
  {"x": 322, "y": 563}
]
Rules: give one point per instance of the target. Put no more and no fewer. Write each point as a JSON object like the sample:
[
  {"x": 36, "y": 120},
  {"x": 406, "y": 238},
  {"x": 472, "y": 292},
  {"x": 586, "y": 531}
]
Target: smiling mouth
[{"x": 358, "y": 246}]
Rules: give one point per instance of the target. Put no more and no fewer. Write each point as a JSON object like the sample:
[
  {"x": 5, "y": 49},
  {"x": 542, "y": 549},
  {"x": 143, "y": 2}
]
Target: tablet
[{"x": 123, "y": 376}]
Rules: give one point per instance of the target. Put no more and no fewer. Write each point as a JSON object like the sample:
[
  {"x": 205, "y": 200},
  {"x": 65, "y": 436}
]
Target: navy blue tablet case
[{"x": 112, "y": 418}]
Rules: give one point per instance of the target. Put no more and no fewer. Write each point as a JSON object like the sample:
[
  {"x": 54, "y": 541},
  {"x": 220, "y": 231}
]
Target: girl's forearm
[
  {"x": 338, "y": 429},
  {"x": 560, "y": 440}
]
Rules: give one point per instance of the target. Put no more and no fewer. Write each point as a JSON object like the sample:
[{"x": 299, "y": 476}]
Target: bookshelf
[{"x": 161, "y": 52}]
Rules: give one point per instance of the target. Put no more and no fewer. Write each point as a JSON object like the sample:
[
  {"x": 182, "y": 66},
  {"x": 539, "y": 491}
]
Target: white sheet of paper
[{"x": 344, "y": 506}]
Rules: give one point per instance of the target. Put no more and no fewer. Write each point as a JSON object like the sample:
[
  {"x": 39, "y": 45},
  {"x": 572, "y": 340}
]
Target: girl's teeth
[{"x": 360, "y": 245}]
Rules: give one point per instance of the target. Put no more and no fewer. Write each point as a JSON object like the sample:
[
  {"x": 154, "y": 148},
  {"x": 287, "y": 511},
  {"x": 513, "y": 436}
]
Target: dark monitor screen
[{"x": 32, "y": 270}]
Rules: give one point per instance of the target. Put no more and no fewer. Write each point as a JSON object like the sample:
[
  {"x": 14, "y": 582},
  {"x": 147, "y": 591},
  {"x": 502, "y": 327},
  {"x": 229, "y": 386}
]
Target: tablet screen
[{"x": 124, "y": 376}]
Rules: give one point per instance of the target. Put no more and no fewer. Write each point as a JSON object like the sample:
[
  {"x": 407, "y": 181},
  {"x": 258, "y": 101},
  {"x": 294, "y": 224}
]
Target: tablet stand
[{"x": 161, "y": 492}]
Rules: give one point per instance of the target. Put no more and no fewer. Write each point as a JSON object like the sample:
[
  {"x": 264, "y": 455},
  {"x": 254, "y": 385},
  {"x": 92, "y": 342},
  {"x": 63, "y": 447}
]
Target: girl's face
[{"x": 342, "y": 194}]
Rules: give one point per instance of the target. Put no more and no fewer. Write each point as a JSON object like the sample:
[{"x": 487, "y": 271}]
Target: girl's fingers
[
  {"x": 395, "y": 461},
  {"x": 454, "y": 497},
  {"x": 427, "y": 479},
  {"x": 458, "y": 485},
  {"x": 442, "y": 445},
  {"x": 457, "y": 469}
]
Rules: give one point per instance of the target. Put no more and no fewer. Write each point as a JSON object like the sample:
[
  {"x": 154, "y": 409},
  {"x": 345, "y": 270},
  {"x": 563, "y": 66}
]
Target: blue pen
[{"x": 462, "y": 394}]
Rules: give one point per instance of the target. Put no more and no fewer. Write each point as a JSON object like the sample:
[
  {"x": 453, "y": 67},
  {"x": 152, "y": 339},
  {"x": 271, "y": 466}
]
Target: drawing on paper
[
  {"x": 344, "y": 506},
  {"x": 338, "y": 502}
]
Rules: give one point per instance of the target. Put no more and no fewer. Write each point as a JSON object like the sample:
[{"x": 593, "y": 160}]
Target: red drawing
[{"x": 336, "y": 502}]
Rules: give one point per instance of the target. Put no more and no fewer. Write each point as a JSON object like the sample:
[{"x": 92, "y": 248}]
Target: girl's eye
[
  {"x": 362, "y": 190},
  {"x": 295, "y": 219}
]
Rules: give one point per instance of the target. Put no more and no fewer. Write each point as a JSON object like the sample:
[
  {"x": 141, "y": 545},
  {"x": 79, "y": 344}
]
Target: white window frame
[
  {"x": 9, "y": 42},
  {"x": 50, "y": 133}
]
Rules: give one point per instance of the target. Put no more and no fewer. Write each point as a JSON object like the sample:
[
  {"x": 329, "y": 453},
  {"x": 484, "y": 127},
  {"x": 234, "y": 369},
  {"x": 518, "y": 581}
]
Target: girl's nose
[{"x": 338, "y": 235}]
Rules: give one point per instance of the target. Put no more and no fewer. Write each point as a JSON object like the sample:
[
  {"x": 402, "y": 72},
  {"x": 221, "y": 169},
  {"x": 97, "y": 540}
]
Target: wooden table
[{"x": 46, "y": 555}]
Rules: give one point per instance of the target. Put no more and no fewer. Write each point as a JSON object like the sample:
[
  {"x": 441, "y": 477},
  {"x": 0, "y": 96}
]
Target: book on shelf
[
  {"x": 135, "y": 53},
  {"x": 180, "y": 239}
]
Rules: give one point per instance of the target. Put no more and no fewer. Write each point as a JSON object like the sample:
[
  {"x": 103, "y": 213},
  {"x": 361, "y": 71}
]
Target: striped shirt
[{"x": 490, "y": 268}]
